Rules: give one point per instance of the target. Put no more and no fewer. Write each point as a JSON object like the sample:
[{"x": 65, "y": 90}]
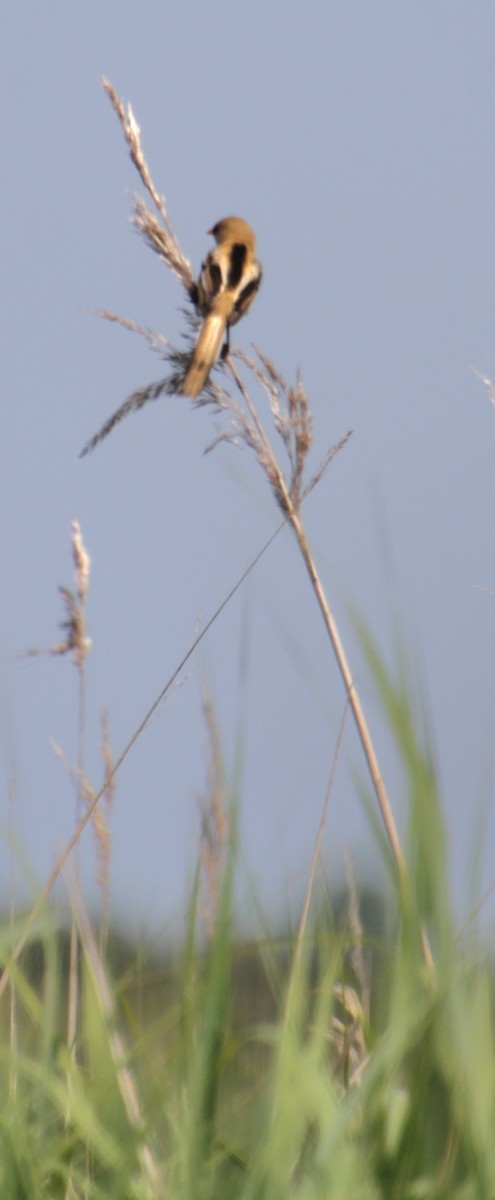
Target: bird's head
[{"x": 233, "y": 229}]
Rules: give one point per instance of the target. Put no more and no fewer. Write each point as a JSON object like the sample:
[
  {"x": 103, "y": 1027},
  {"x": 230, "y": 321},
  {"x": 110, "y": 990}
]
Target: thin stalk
[{"x": 288, "y": 506}]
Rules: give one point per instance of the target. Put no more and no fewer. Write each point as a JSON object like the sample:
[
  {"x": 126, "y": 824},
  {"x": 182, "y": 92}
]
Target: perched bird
[{"x": 228, "y": 281}]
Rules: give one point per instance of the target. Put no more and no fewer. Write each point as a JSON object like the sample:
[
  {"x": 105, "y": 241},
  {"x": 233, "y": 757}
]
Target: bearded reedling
[{"x": 228, "y": 281}]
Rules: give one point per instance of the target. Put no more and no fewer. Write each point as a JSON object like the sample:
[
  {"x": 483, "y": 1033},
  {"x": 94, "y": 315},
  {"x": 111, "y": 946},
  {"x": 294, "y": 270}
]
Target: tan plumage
[{"x": 228, "y": 281}]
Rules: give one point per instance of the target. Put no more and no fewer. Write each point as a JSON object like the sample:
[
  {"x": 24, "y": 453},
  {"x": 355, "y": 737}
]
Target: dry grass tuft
[
  {"x": 289, "y": 404},
  {"x": 75, "y": 641}
]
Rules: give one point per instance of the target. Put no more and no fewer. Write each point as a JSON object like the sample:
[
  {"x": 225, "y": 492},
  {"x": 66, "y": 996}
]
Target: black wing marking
[
  {"x": 236, "y": 266},
  {"x": 246, "y": 297},
  {"x": 215, "y": 279}
]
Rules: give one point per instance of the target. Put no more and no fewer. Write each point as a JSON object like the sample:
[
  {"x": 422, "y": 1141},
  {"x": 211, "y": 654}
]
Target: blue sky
[{"x": 357, "y": 139}]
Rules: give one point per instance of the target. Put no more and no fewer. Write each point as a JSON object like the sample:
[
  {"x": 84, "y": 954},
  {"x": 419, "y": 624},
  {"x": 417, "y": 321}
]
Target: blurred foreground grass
[{"x": 340, "y": 1065}]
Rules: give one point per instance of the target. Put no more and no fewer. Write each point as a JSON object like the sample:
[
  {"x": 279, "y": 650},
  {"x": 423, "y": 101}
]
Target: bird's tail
[{"x": 205, "y": 354}]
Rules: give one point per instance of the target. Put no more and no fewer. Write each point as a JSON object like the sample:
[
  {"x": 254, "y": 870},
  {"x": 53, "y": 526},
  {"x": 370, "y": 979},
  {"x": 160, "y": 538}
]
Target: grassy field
[{"x": 340, "y": 1062}]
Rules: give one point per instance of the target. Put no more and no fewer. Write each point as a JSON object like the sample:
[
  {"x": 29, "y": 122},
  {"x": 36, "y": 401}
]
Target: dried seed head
[{"x": 82, "y": 562}]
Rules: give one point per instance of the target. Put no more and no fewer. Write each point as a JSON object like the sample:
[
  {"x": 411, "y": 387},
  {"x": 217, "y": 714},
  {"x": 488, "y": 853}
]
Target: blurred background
[{"x": 357, "y": 140}]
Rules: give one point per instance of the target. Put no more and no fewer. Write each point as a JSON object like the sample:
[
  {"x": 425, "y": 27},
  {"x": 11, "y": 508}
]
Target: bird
[{"x": 227, "y": 284}]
